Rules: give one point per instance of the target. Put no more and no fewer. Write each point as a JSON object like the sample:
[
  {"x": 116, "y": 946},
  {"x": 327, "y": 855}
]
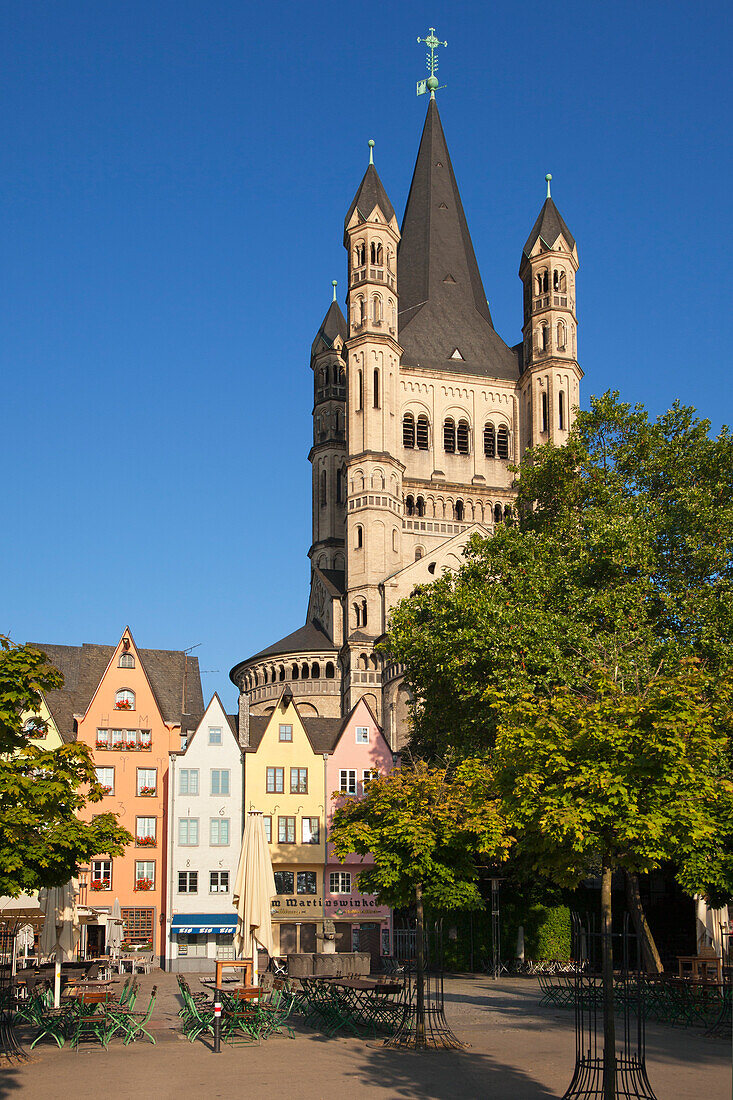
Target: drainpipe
[
  {"x": 167, "y": 941},
  {"x": 325, "y": 836}
]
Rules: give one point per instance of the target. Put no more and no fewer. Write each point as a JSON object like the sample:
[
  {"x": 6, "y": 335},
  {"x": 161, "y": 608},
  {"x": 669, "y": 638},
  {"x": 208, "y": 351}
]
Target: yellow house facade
[
  {"x": 285, "y": 778},
  {"x": 52, "y": 739}
]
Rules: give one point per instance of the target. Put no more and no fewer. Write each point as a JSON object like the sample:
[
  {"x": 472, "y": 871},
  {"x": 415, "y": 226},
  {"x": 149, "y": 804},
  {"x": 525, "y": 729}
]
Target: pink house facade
[{"x": 361, "y": 923}]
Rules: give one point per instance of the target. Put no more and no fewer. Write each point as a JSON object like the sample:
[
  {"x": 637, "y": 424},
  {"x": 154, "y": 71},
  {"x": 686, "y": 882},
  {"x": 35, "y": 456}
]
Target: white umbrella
[
  {"x": 114, "y": 930},
  {"x": 25, "y": 938},
  {"x": 13, "y": 911},
  {"x": 708, "y": 922},
  {"x": 254, "y": 889},
  {"x": 60, "y": 934}
]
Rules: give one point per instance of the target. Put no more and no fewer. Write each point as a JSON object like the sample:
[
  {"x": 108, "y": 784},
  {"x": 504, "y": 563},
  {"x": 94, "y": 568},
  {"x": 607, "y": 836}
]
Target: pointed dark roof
[
  {"x": 308, "y": 639},
  {"x": 443, "y": 305},
  {"x": 334, "y": 324},
  {"x": 371, "y": 193},
  {"x": 548, "y": 226}
]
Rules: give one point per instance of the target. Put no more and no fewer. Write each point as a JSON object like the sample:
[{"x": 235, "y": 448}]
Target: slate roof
[
  {"x": 334, "y": 324},
  {"x": 549, "y": 226},
  {"x": 370, "y": 193},
  {"x": 307, "y": 639},
  {"x": 336, "y": 578},
  {"x": 442, "y": 300},
  {"x": 84, "y": 666},
  {"x": 323, "y": 733}
]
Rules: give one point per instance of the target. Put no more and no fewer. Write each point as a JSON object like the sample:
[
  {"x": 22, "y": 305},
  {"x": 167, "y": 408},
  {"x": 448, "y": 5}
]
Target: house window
[
  {"x": 268, "y": 829},
  {"x": 307, "y": 882},
  {"x": 286, "y": 830},
  {"x": 310, "y": 830},
  {"x": 285, "y": 882},
  {"x": 362, "y": 735},
  {"x": 299, "y": 781},
  {"x": 286, "y": 733},
  {"x": 188, "y": 832},
  {"x": 188, "y": 882},
  {"x": 218, "y": 882},
  {"x": 275, "y": 780},
  {"x": 340, "y": 882},
  {"x": 219, "y": 832},
  {"x": 106, "y": 779},
  {"x": 144, "y": 874},
  {"x": 126, "y": 661},
  {"x": 124, "y": 699},
  {"x": 220, "y": 781},
  {"x": 116, "y": 736},
  {"x": 101, "y": 874},
  {"x": 145, "y": 832},
  {"x": 147, "y": 781},
  {"x": 188, "y": 781},
  {"x": 347, "y": 782},
  {"x": 366, "y": 778},
  {"x": 103, "y": 739},
  {"x": 192, "y": 945},
  {"x": 214, "y": 735},
  {"x": 423, "y": 432},
  {"x": 138, "y": 925},
  {"x": 408, "y": 430}
]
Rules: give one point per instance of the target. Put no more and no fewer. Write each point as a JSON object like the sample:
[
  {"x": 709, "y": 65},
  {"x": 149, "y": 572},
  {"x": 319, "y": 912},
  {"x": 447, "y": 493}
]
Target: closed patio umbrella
[
  {"x": 60, "y": 933},
  {"x": 254, "y": 888},
  {"x": 14, "y": 912}
]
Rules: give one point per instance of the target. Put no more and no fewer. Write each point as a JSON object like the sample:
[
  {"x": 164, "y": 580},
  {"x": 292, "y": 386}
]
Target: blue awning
[{"x": 193, "y": 923}]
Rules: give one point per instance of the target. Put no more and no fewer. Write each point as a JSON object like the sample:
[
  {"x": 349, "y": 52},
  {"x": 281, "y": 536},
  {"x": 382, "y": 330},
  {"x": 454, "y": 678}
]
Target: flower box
[
  {"x": 145, "y": 841},
  {"x": 144, "y": 884},
  {"x": 106, "y": 790},
  {"x": 101, "y": 884},
  {"x": 101, "y": 744},
  {"x": 148, "y": 791},
  {"x": 124, "y": 704}
]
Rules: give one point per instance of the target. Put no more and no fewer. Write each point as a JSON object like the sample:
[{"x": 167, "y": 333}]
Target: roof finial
[
  {"x": 334, "y": 284},
  {"x": 371, "y": 150},
  {"x": 548, "y": 177},
  {"x": 431, "y": 84}
]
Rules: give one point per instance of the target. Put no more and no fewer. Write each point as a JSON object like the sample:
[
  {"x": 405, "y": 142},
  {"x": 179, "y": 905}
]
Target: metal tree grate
[
  {"x": 632, "y": 1082},
  {"x": 429, "y": 1028}
]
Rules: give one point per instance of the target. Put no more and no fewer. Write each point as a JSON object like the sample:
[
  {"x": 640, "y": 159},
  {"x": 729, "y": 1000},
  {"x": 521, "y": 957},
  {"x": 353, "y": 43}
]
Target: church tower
[
  {"x": 551, "y": 375},
  {"x": 374, "y": 473}
]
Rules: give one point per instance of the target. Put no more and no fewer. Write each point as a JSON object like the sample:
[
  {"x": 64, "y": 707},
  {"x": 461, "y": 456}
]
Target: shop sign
[
  {"x": 285, "y": 907},
  {"x": 364, "y": 906}
]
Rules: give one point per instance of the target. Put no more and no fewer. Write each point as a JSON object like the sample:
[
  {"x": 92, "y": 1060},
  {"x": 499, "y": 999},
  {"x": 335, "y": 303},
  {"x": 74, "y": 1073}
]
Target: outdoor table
[
  {"x": 242, "y": 964},
  {"x": 704, "y": 963}
]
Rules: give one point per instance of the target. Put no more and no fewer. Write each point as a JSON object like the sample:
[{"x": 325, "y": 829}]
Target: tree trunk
[
  {"x": 420, "y": 945},
  {"x": 649, "y": 954},
  {"x": 609, "y": 1020}
]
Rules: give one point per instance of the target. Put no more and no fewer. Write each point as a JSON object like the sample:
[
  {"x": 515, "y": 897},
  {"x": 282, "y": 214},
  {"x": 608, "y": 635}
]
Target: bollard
[{"x": 217, "y": 1021}]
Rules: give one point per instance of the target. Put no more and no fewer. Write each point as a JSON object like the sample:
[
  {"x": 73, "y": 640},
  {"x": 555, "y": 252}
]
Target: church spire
[
  {"x": 443, "y": 305},
  {"x": 370, "y": 194}
]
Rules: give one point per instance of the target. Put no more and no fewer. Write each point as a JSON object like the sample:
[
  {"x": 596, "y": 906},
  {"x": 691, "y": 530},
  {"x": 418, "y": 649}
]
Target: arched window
[
  {"x": 544, "y": 412},
  {"x": 558, "y": 281},
  {"x": 544, "y": 331},
  {"x": 377, "y": 309},
  {"x": 389, "y": 259},
  {"x": 408, "y": 430},
  {"x": 305, "y": 672},
  {"x": 323, "y": 488},
  {"x": 561, "y": 411},
  {"x": 542, "y": 282},
  {"x": 330, "y": 671},
  {"x": 502, "y": 442},
  {"x": 420, "y": 506},
  {"x": 462, "y": 437},
  {"x": 418, "y": 553},
  {"x": 363, "y": 661},
  {"x": 360, "y": 310},
  {"x": 127, "y": 660},
  {"x": 489, "y": 441},
  {"x": 359, "y": 537},
  {"x": 507, "y": 512},
  {"x": 423, "y": 432},
  {"x": 363, "y": 613},
  {"x": 459, "y": 511},
  {"x": 376, "y": 252},
  {"x": 376, "y": 389},
  {"x": 295, "y": 673},
  {"x": 316, "y": 671},
  {"x": 125, "y": 699},
  {"x": 561, "y": 337},
  {"x": 395, "y": 543},
  {"x": 409, "y": 506},
  {"x": 498, "y": 514},
  {"x": 360, "y": 254},
  {"x": 449, "y": 436},
  {"x": 281, "y": 673},
  {"x": 359, "y": 391},
  {"x": 265, "y": 677}
]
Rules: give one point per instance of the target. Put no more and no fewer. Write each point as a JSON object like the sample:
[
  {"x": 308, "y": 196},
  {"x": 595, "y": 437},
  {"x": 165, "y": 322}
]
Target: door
[
  {"x": 369, "y": 941},
  {"x": 288, "y": 939},
  {"x": 343, "y": 936},
  {"x": 307, "y": 939}
]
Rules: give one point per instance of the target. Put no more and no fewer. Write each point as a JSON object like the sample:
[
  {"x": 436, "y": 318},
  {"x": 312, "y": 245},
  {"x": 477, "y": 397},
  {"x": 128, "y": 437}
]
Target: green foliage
[
  {"x": 620, "y": 562},
  {"x": 547, "y": 933},
  {"x": 42, "y": 841},
  {"x": 424, "y": 826},
  {"x": 634, "y": 780}
]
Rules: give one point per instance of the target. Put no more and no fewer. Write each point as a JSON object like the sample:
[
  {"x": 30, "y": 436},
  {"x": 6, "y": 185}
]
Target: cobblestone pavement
[{"x": 517, "y": 1051}]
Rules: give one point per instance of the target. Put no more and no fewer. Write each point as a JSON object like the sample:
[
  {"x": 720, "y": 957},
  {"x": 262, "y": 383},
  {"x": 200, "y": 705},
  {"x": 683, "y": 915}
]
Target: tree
[
  {"x": 426, "y": 828},
  {"x": 42, "y": 840},
  {"x": 623, "y": 781}
]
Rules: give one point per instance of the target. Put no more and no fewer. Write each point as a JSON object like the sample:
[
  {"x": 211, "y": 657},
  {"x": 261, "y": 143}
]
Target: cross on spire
[{"x": 431, "y": 84}]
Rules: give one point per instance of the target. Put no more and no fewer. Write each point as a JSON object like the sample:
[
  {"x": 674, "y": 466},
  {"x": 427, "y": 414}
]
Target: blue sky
[{"x": 174, "y": 180}]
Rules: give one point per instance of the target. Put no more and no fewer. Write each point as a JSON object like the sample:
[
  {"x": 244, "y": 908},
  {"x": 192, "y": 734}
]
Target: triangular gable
[
  {"x": 120, "y": 648},
  {"x": 212, "y": 704},
  {"x": 286, "y": 713},
  {"x": 361, "y": 704}
]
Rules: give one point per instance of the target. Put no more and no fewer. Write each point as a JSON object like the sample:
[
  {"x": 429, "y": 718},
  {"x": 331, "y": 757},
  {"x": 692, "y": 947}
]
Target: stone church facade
[{"x": 419, "y": 410}]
